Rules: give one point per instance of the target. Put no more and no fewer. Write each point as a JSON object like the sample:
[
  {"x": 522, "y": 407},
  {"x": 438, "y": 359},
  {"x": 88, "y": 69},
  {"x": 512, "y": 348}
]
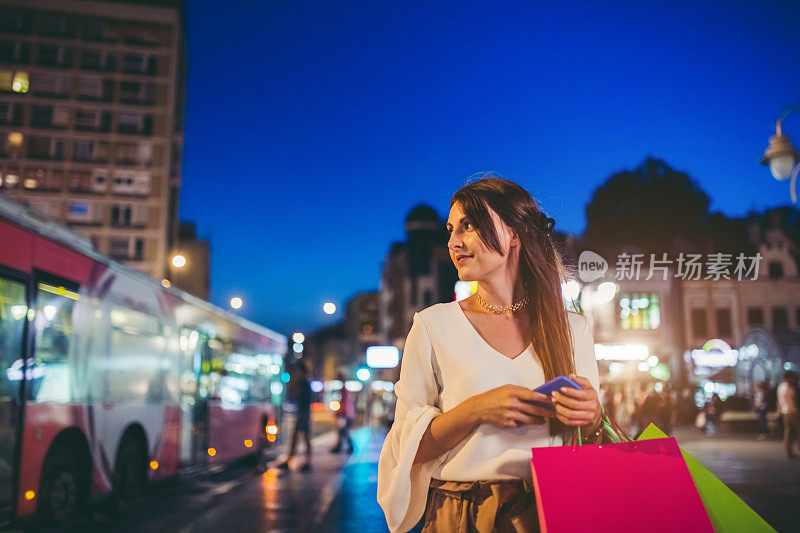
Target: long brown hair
[{"x": 541, "y": 267}]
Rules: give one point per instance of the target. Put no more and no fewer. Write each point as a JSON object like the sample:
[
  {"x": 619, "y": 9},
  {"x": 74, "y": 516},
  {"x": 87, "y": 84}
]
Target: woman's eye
[{"x": 467, "y": 225}]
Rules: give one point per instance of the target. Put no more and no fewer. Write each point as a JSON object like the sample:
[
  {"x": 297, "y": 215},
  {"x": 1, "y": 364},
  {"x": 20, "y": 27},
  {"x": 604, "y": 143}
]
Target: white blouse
[{"x": 446, "y": 361}]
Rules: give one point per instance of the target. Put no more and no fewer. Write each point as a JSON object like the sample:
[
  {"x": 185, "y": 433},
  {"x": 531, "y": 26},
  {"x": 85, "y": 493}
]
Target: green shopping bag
[{"x": 728, "y": 513}]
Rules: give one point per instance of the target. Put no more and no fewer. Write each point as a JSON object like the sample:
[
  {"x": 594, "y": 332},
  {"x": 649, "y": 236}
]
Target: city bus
[{"x": 110, "y": 379}]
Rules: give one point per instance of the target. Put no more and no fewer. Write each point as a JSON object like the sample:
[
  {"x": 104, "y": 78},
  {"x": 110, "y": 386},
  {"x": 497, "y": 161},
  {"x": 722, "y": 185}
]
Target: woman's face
[{"x": 473, "y": 259}]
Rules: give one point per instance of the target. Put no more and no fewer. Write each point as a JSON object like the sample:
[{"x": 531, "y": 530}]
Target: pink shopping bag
[{"x": 630, "y": 486}]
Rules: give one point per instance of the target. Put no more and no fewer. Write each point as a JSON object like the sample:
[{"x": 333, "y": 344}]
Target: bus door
[
  {"x": 195, "y": 389},
  {"x": 13, "y": 313}
]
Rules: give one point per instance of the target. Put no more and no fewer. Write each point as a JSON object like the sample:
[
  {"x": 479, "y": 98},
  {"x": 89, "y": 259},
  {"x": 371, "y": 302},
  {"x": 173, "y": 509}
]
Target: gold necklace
[{"x": 500, "y": 309}]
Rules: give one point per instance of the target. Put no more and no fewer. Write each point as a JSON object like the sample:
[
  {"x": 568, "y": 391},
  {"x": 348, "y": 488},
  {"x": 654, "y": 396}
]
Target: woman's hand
[
  {"x": 509, "y": 407},
  {"x": 578, "y": 407}
]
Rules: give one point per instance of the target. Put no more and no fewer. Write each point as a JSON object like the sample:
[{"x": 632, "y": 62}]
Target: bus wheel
[
  {"x": 130, "y": 475},
  {"x": 63, "y": 494}
]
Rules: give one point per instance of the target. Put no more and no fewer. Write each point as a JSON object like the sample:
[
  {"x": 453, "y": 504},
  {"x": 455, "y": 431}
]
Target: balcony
[
  {"x": 85, "y": 189},
  {"x": 92, "y": 65},
  {"x": 137, "y": 100},
  {"x": 103, "y": 128},
  {"x": 15, "y": 120},
  {"x": 133, "y": 162},
  {"x": 118, "y": 224},
  {"x": 53, "y": 61},
  {"x": 126, "y": 256},
  {"x": 131, "y": 194},
  {"x": 85, "y": 223},
  {"x": 43, "y": 123},
  {"x": 50, "y": 93},
  {"x": 45, "y": 156}
]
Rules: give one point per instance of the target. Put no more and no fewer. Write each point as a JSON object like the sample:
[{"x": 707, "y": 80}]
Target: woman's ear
[{"x": 514, "y": 238}]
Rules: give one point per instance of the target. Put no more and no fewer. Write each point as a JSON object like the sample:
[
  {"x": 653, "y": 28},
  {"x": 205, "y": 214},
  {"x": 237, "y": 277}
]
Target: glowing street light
[
  {"x": 606, "y": 291},
  {"x": 329, "y": 308},
  {"x": 237, "y": 302},
  {"x": 178, "y": 261},
  {"x": 782, "y": 157},
  {"x": 299, "y": 337}
]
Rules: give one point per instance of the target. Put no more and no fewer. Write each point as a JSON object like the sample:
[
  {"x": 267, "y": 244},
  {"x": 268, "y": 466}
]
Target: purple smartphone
[{"x": 554, "y": 384}]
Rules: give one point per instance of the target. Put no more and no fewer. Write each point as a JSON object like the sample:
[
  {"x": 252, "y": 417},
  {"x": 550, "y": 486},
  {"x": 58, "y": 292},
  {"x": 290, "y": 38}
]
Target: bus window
[
  {"x": 13, "y": 310},
  {"x": 137, "y": 366},
  {"x": 52, "y": 379}
]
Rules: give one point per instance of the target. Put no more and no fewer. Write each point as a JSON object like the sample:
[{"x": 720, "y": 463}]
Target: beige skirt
[{"x": 506, "y": 505}]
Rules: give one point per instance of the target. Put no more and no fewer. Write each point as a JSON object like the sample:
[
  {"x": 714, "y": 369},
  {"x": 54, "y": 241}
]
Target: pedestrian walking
[
  {"x": 787, "y": 407},
  {"x": 713, "y": 410},
  {"x": 302, "y": 390},
  {"x": 664, "y": 411},
  {"x": 760, "y": 406},
  {"x": 344, "y": 419},
  {"x": 458, "y": 455},
  {"x": 650, "y": 410}
]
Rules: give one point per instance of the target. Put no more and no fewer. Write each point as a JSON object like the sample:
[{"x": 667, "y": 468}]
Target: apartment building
[{"x": 91, "y": 119}]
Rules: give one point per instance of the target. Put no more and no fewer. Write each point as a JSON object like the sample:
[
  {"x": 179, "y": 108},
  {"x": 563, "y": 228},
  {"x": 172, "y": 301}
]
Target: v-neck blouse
[
  {"x": 445, "y": 361},
  {"x": 472, "y": 327}
]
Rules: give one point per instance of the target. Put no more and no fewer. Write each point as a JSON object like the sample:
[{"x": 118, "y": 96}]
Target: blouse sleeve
[
  {"x": 402, "y": 485},
  {"x": 585, "y": 359}
]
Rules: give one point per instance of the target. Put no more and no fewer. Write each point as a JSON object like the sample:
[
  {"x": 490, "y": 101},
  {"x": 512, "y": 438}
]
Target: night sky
[{"x": 312, "y": 128}]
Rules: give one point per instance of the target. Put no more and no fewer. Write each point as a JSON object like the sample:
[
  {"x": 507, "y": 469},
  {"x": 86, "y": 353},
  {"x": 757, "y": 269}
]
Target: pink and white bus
[{"x": 108, "y": 379}]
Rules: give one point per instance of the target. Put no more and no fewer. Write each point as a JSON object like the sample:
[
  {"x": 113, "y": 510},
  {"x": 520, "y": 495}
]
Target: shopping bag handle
[{"x": 610, "y": 427}]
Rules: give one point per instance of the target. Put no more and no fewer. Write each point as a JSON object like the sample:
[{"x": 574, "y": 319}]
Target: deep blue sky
[{"x": 312, "y": 128}]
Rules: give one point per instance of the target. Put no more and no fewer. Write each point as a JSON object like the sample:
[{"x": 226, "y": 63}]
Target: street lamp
[
  {"x": 329, "y": 308},
  {"x": 781, "y": 156},
  {"x": 178, "y": 261},
  {"x": 236, "y": 302}
]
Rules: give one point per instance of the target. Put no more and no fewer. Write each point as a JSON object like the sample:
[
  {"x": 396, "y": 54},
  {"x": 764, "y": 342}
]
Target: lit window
[
  {"x": 78, "y": 208},
  {"x": 20, "y": 83},
  {"x": 15, "y": 139},
  {"x": 639, "y": 311},
  {"x": 6, "y": 77}
]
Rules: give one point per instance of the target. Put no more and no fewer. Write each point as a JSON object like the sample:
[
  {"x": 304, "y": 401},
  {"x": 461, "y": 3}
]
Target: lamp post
[{"x": 781, "y": 156}]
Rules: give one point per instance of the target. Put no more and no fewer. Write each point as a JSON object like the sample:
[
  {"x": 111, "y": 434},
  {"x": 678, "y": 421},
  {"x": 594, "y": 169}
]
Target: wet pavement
[
  {"x": 756, "y": 470},
  {"x": 338, "y": 494}
]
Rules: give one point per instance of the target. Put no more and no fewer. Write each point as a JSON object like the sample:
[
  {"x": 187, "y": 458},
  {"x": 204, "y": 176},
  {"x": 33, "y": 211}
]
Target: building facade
[
  {"x": 195, "y": 276},
  {"x": 416, "y": 274},
  {"x": 361, "y": 326},
  {"x": 91, "y": 120},
  {"x": 342, "y": 347},
  {"x": 695, "y": 324}
]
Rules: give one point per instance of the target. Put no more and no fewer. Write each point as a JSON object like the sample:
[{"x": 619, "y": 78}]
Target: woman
[{"x": 459, "y": 449}]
